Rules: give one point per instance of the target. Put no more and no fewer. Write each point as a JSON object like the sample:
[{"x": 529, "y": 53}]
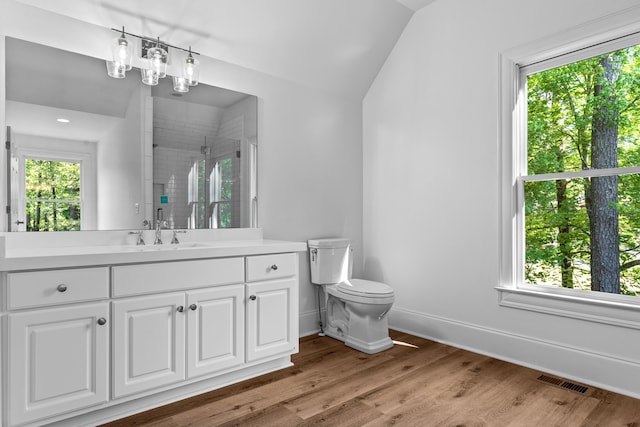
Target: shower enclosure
[{"x": 202, "y": 189}]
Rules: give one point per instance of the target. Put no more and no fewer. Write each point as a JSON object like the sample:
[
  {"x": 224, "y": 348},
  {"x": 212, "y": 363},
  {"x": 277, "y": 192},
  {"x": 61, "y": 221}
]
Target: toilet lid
[{"x": 365, "y": 288}]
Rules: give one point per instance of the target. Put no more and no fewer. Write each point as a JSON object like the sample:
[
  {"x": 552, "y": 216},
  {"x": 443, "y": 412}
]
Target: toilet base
[
  {"x": 360, "y": 325},
  {"x": 360, "y": 345},
  {"x": 369, "y": 347}
]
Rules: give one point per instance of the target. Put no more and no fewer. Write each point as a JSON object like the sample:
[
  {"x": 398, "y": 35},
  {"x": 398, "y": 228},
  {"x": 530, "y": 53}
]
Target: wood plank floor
[{"x": 416, "y": 383}]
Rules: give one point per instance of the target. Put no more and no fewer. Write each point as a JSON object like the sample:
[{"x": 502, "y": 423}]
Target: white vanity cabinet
[
  {"x": 91, "y": 338},
  {"x": 272, "y": 307},
  {"x": 163, "y": 338},
  {"x": 58, "y": 353}
]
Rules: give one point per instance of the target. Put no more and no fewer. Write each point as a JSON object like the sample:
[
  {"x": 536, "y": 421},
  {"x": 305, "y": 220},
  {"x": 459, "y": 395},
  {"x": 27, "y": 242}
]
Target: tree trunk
[
  {"x": 564, "y": 238},
  {"x": 602, "y": 194},
  {"x": 36, "y": 225}
]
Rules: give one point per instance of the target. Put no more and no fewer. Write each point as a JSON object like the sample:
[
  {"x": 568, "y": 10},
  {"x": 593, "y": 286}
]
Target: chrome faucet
[
  {"x": 174, "y": 240},
  {"x": 158, "y": 240},
  {"x": 140, "y": 240}
]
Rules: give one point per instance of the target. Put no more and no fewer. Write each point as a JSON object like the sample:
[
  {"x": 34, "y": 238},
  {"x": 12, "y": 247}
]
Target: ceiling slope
[{"x": 333, "y": 45}]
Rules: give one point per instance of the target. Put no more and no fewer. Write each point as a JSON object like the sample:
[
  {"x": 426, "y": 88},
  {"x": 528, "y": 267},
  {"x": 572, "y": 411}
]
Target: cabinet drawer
[
  {"x": 177, "y": 275},
  {"x": 51, "y": 287},
  {"x": 274, "y": 266}
]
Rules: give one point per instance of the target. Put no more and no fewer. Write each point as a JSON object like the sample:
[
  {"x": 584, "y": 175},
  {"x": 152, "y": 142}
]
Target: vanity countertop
[{"x": 24, "y": 256}]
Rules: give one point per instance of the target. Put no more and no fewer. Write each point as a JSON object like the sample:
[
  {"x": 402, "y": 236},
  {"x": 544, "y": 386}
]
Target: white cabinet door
[
  {"x": 215, "y": 329},
  {"x": 148, "y": 342},
  {"x": 272, "y": 318},
  {"x": 58, "y": 360}
]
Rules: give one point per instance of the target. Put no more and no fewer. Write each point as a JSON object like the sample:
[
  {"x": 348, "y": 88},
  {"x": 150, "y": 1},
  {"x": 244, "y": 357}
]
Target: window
[
  {"x": 580, "y": 185},
  {"x": 222, "y": 193},
  {"x": 52, "y": 195},
  {"x": 217, "y": 197},
  {"x": 570, "y": 173}
]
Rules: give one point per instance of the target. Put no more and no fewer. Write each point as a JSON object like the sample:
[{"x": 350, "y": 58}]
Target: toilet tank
[{"x": 329, "y": 260}]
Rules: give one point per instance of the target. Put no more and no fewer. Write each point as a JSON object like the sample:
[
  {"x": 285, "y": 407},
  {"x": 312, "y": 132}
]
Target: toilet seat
[{"x": 365, "y": 288}]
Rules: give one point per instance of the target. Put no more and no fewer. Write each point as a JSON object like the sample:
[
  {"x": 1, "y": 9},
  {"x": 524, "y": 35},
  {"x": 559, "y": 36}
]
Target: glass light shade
[
  {"x": 116, "y": 69},
  {"x": 157, "y": 58},
  {"x": 191, "y": 70},
  {"x": 149, "y": 77},
  {"x": 121, "y": 52},
  {"x": 180, "y": 84}
]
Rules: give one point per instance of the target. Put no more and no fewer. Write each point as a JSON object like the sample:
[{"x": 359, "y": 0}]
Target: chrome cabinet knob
[
  {"x": 180, "y": 309},
  {"x": 62, "y": 287},
  {"x": 102, "y": 321},
  {"x": 193, "y": 307},
  {"x": 253, "y": 297},
  {"x": 274, "y": 267}
]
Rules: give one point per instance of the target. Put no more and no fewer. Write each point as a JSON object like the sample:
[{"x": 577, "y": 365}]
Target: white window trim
[{"x": 608, "y": 33}]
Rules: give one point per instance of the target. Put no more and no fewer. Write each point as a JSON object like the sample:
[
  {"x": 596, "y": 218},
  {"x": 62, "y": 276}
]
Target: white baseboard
[
  {"x": 588, "y": 367},
  {"x": 309, "y": 323}
]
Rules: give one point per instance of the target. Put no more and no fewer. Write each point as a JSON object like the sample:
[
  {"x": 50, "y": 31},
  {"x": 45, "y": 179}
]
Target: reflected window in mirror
[{"x": 52, "y": 195}]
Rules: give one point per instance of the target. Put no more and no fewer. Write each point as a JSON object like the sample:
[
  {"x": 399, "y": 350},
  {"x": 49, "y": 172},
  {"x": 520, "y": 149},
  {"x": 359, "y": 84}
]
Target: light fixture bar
[
  {"x": 153, "y": 41},
  {"x": 156, "y": 52}
]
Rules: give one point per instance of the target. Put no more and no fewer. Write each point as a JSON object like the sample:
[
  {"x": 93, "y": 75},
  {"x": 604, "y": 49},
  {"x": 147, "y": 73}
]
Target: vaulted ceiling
[{"x": 336, "y": 45}]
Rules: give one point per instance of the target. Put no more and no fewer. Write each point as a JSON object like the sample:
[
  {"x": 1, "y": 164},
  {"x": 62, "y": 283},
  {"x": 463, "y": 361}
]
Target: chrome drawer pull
[
  {"x": 274, "y": 267},
  {"x": 62, "y": 287},
  {"x": 193, "y": 307},
  {"x": 180, "y": 309},
  {"x": 102, "y": 321},
  {"x": 252, "y": 297}
]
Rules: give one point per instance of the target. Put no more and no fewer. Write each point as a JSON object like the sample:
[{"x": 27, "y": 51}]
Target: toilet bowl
[{"x": 356, "y": 309}]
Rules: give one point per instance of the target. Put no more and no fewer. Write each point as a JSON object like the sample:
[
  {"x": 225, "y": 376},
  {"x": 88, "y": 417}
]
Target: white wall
[
  {"x": 120, "y": 170},
  {"x": 310, "y": 142},
  {"x": 431, "y": 200}
]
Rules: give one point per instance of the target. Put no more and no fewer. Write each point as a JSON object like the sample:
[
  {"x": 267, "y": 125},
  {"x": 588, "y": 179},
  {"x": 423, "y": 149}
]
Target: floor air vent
[{"x": 564, "y": 384}]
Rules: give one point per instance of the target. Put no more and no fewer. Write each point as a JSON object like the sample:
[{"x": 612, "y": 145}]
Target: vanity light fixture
[
  {"x": 191, "y": 69},
  {"x": 156, "y": 52},
  {"x": 157, "y": 58},
  {"x": 121, "y": 51}
]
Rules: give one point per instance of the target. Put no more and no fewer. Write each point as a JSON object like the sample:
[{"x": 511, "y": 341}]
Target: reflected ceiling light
[
  {"x": 149, "y": 77},
  {"x": 116, "y": 69},
  {"x": 61, "y": 120},
  {"x": 180, "y": 84},
  {"x": 156, "y": 54}
]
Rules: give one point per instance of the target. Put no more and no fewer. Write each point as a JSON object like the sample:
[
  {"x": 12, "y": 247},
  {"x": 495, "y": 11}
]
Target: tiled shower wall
[{"x": 180, "y": 130}]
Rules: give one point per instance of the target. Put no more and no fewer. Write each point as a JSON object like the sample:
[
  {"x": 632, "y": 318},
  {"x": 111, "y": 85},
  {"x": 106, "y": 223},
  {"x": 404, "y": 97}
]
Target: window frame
[{"x": 610, "y": 33}]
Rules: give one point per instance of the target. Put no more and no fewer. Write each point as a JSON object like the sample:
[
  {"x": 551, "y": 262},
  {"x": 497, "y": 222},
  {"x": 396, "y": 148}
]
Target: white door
[
  {"x": 272, "y": 324},
  {"x": 215, "y": 329},
  {"x": 148, "y": 342},
  {"x": 58, "y": 360}
]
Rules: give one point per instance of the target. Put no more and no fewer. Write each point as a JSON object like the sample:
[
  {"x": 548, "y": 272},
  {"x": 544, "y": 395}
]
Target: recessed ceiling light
[{"x": 63, "y": 120}]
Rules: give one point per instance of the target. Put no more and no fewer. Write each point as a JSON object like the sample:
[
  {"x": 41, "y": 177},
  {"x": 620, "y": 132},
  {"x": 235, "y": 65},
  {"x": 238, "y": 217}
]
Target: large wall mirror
[{"x": 90, "y": 152}]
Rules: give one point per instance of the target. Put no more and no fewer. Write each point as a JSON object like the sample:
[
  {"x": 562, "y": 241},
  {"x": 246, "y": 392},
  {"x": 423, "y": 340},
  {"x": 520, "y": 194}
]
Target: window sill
[{"x": 569, "y": 304}]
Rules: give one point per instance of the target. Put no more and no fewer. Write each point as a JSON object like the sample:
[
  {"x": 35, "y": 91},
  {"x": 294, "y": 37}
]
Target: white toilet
[{"x": 356, "y": 309}]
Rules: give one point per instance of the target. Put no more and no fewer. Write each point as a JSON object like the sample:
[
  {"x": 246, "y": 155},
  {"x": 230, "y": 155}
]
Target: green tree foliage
[
  {"x": 52, "y": 191},
  {"x": 582, "y": 232}
]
